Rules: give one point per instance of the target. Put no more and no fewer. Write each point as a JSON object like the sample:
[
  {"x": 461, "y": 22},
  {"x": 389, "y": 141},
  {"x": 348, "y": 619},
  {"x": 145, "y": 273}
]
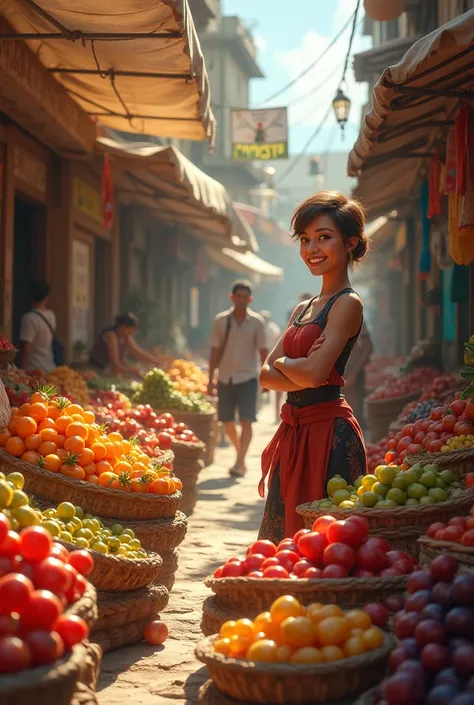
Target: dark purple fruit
[
  {"x": 463, "y": 589},
  {"x": 433, "y": 611},
  {"x": 463, "y": 661},
  {"x": 463, "y": 699},
  {"x": 444, "y": 568},
  {"x": 448, "y": 677},
  {"x": 417, "y": 601},
  {"x": 435, "y": 657},
  {"x": 460, "y": 622},
  {"x": 441, "y": 594},
  {"x": 441, "y": 695},
  {"x": 430, "y": 632}
]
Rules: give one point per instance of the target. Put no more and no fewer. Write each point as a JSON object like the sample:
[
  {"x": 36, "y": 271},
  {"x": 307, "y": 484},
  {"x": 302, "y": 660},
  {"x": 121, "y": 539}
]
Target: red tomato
[
  {"x": 453, "y": 533},
  {"x": 334, "y": 571},
  {"x": 435, "y": 446},
  {"x": 253, "y": 562},
  {"x": 470, "y": 479},
  {"x": 377, "y": 541},
  {"x": 287, "y": 559},
  {"x": 4, "y": 527},
  {"x": 301, "y": 567},
  {"x": 312, "y": 546},
  {"x": 35, "y": 543},
  {"x": 299, "y": 534},
  {"x": 82, "y": 561},
  {"x": 470, "y": 412},
  {"x": 408, "y": 430},
  {"x": 372, "y": 558},
  {"x": 266, "y": 548},
  {"x": 468, "y": 538},
  {"x": 255, "y": 574},
  {"x": 449, "y": 422},
  {"x": 339, "y": 554},
  {"x": 165, "y": 440},
  {"x": 50, "y": 574},
  {"x": 437, "y": 413},
  {"x": 404, "y": 443},
  {"x": 276, "y": 571},
  {"x": 457, "y": 521},
  {"x": 42, "y": 611},
  {"x": 414, "y": 448},
  {"x": 287, "y": 545},
  {"x": 313, "y": 573},
  {"x": 359, "y": 520},
  {"x": 45, "y": 647},
  {"x": 458, "y": 407},
  {"x": 390, "y": 457},
  {"x": 169, "y": 418},
  {"x": 419, "y": 437},
  {"x": 425, "y": 424},
  {"x": 349, "y": 532},
  {"x": 233, "y": 570},
  {"x": 14, "y": 654},
  {"x": 155, "y": 632},
  {"x": 15, "y": 593},
  {"x": 218, "y": 573},
  {"x": 437, "y": 526},
  {"x": 463, "y": 429},
  {"x": 10, "y": 545},
  {"x": 322, "y": 524},
  {"x": 71, "y": 629}
]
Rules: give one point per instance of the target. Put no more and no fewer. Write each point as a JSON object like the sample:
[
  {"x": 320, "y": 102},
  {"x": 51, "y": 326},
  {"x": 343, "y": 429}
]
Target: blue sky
[{"x": 290, "y": 36}]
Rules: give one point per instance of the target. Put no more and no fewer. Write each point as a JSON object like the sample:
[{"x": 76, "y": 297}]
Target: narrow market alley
[{"x": 225, "y": 521}]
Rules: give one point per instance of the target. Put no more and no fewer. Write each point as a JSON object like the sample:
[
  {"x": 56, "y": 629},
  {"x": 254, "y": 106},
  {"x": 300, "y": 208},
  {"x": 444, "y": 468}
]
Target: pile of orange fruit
[
  {"x": 293, "y": 633},
  {"x": 56, "y": 435}
]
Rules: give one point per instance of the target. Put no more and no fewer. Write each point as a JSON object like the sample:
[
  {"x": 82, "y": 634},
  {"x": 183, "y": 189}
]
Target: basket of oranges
[
  {"x": 296, "y": 654},
  {"x": 64, "y": 454}
]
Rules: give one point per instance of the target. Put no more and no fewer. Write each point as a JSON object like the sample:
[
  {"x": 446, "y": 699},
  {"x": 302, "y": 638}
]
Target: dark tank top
[{"x": 99, "y": 356}]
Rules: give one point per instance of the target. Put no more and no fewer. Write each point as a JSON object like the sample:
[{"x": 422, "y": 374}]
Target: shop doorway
[{"x": 29, "y": 256}]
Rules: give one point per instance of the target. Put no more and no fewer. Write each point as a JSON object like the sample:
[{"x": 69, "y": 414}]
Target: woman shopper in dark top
[
  {"x": 319, "y": 436},
  {"x": 115, "y": 344}
]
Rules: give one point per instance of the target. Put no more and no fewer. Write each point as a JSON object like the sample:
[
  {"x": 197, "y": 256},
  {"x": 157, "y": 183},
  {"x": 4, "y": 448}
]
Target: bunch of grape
[
  {"x": 158, "y": 391},
  {"x": 422, "y": 410}
]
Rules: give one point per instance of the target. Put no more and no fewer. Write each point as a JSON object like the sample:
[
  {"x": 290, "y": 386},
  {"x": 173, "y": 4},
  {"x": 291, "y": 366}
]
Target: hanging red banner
[{"x": 107, "y": 193}]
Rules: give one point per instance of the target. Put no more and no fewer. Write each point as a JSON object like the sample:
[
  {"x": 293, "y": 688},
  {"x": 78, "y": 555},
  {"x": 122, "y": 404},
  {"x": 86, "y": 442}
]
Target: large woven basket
[
  {"x": 289, "y": 684},
  {"x": 401, "y": 526},
  {"x": 381, "y": 412},
  {"x": 86, "y": 606},
  {"x": 102, "y": 501},
  {"x": 44, "y": 685},
  {"x": 157, "y": 535},
  {"x": 170, "y": 566},
  {"x": 185, "y": 451},
  {"x": 119, "y": 608},
  {"x": 214, "y": 615},
  {"x": 430, "y": 549},
  {"x": 121, "y": 574},
  {"x": 203, "y": 425},
  {"x": 84, "y": 695},
  {"x": 259, "y": 593},
  {"x": 188, "y": 473},
  {"x": 116, "y": 637},
  {"x": 209, "y": 694},
  {"x": 7, "y": 356},
  {"x": 460, "y": 462}
]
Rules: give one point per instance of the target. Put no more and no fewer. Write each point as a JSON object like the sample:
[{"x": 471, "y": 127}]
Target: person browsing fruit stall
[
  {"x": 238, "y": 344},
  {"x": 319, "y": 436},
  {"x": 37, "y": 331},
  {"x": 115, "y": 344}
]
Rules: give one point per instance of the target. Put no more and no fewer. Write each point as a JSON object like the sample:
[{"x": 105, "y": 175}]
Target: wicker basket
[
  {"x": 90, "y": 668},
  {"x": 188, "y": 474},
  {"x": 86, "y": 606},
  {"x": 401, "y": 526},
  {"x": 430, "y": 548},
  {"x": 102, "y": 501},
  {"x": 185, "y": 451},
  {"x": 288, "y": 683},
  {"x": 203, "y": 425},
  {"x": 44, "y": 685},
  {"x": 214, "y": 615},
  {"x": 166, "y": 458},
  {"x": 157, "y": 535},
  {"x": 381, "y": 412},
  {"x": 84, "y": 696},
  {"x": 116, "y": 637},
  {"x": 119, "y": 608},
  {"x": 121, "y": 574},
  {"x": 170, "y": 566},
  {"x": 367, "y": 698},
  {"x": 209, "y": 694},
  {"x": 260, "y": 593},
  {"x": 460, "y": 462}
]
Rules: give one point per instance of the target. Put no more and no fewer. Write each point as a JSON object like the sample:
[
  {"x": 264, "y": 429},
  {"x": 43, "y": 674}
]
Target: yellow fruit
[
  {"x": 227, "y": 630},
  {"x": 264, "y": 650},
  {"x": 284, "y": 607},
  {"x": 222, "y": 646},
  {"x": 307, "y": 654}
]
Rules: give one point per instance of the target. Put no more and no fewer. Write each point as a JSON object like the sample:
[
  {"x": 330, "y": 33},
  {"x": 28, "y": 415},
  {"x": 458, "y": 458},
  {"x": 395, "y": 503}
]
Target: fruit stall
[{"x": 372, "y": 602}]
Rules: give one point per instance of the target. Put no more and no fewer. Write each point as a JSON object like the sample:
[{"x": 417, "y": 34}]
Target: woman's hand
[{"x": 317, "y": 344}]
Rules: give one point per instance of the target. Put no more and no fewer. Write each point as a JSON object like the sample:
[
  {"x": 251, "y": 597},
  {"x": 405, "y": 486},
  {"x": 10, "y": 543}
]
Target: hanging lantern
[
  {"x": 314, "y": 166},
  {"x": 384, "y": 10},
  {"x": 342, "y": 106}
]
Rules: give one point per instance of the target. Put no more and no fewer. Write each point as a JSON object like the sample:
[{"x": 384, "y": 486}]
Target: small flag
[{"x": 107, "y": 193}]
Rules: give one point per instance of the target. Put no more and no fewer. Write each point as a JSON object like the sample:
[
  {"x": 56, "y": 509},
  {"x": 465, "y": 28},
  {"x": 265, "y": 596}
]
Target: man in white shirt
[
  {"x": 238, "y": 349},
  {"x": 37, "y": 331}
]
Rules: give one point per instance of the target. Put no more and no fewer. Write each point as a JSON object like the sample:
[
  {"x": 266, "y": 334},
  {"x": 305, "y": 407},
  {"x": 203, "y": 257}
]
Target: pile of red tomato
[
  {"x": 156, "y": 432},
  {"x": 331, "y": 549},
  {"x": 458, "y": 529},
  {"x": 6, "y": 344},
  {"x": 38, "y": 580},
  {"x": 407, "y": 384}
]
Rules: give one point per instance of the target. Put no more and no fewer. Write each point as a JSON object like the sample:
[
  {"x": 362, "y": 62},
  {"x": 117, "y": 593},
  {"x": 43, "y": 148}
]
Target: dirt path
[{"x": 225, "y": 521}]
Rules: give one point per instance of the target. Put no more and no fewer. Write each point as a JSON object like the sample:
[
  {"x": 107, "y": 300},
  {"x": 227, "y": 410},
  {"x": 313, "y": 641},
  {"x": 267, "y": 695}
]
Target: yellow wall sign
[
  {"x": 87, "y": 200},
  {"x": 259, "y": 152}
]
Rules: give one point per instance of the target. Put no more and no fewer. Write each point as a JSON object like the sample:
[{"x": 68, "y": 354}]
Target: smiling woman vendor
[{"x": 115, "y": 344}]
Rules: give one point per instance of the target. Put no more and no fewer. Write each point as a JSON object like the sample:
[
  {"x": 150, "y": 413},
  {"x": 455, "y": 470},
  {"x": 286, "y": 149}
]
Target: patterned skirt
[{"x": 347, "y": 459}]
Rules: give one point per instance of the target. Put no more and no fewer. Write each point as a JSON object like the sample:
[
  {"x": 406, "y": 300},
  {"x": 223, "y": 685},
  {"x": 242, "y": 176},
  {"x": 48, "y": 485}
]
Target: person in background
[
  {"x": 273, "y": 336},
  {"x": 238, "y": 347},
  {"x": 37, "y": 328},
  {"x": 354, "y": 390},
  {"x": 115, "y": 344}
]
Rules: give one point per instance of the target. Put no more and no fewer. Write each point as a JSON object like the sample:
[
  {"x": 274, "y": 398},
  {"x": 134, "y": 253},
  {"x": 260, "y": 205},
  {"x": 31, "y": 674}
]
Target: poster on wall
[
  {"x": 259, "y": 135},
  {"x": 81, "y": 258}
]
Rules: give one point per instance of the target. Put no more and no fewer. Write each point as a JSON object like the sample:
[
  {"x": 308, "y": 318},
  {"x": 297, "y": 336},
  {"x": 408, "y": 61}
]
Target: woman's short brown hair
[{"x": 347, "y": 214}]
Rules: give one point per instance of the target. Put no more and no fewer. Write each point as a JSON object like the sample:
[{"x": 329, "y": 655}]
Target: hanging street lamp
[{"x": 342, "y": 106}]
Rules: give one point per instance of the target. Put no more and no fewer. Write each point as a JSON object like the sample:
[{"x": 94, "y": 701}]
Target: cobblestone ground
[{"x": 225, "y": 521}]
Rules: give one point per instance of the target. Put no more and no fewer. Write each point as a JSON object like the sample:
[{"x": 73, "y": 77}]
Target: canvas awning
[
  {"x": 380, "y": 229},
  {"x": 412, "y": 101},
  {"x": 244, "y": 262},
  {"x": 165, "y": 181},
  {"x": 135, "y": 65}
]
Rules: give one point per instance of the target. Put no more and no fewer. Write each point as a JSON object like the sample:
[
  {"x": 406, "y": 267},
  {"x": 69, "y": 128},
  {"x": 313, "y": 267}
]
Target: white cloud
[
  {"x": 313, "y": 93},
  {"x": 260, "y": 42}
]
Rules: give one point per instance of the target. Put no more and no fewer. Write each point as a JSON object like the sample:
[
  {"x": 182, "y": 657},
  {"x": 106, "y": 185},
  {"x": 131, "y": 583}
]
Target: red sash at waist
[{"x": 301, "y": 447}]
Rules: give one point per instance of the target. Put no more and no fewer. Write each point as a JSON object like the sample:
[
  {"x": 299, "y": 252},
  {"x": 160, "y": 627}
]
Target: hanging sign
[
  {"x": 81, "y": 259},
  {"x": 259, "y": 135},
  {"x": 87, "y": 200}
]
